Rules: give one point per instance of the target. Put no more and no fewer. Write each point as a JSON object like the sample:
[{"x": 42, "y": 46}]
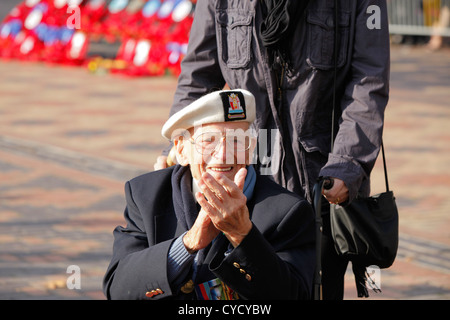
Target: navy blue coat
[{"x": 276, "y": 259}]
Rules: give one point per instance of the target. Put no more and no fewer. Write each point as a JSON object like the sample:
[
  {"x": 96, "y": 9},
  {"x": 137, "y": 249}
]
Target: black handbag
[{"x": 366, "y": 230}]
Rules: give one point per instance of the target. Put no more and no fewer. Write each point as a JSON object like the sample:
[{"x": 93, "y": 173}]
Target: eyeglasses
[{"x": 206, "y": 143}]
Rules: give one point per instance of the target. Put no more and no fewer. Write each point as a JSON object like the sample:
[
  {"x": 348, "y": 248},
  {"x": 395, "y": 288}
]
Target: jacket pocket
[
  {"x": 234, "y": 31},
  {"x": 321, "y": 38},
  {"x": 318, "y": 143}
]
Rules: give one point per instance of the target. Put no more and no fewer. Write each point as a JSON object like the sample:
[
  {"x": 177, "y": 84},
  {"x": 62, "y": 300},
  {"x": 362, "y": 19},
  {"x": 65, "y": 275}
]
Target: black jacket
[{"x": 276, "y": 260}]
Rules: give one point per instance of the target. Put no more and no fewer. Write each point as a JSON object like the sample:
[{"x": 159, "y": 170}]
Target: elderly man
[{"x": 210, "y": 227}]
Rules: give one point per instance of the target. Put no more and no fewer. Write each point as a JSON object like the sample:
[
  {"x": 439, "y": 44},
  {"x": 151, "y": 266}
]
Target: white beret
[{"x": 219, "y": 106}]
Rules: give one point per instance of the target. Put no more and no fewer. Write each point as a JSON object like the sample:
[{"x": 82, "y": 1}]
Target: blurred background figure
[
  {"x": 439, "y": 26},
  {"x": 419, "y": 22}
]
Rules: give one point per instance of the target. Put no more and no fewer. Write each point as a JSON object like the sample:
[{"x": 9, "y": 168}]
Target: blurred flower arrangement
[{"x": 152, "y": 34}]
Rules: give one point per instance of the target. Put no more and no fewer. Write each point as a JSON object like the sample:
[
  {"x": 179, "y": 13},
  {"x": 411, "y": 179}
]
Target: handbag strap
[
  {"x": 384, "y": 167},
  {"x": 335, "y": 59}
]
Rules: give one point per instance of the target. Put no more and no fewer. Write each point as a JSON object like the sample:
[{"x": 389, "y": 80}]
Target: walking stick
[
  {"x": 323, "y": 183},
  {"x": 317, "y": 194}
]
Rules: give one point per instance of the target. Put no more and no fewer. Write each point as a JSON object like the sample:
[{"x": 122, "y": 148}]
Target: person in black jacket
[{"x": 211, "y": 227}]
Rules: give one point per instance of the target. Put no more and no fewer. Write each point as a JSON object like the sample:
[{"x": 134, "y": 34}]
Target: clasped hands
[{"x": 223, "y": 209}]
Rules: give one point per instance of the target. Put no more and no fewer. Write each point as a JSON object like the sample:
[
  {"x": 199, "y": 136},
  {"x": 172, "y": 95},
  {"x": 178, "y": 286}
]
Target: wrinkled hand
[
  {"x": 201, "y": 234},
  {"x": 225, "y": 204},
  {"x": 338, "y": 193}
]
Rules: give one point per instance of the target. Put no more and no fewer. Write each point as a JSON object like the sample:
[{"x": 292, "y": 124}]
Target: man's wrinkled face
[{"x": 216, "y": 148}]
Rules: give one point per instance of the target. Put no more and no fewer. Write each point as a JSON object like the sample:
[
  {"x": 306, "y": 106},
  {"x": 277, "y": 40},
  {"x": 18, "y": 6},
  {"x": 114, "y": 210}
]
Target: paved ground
[{"x": 70, "y": 139}]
